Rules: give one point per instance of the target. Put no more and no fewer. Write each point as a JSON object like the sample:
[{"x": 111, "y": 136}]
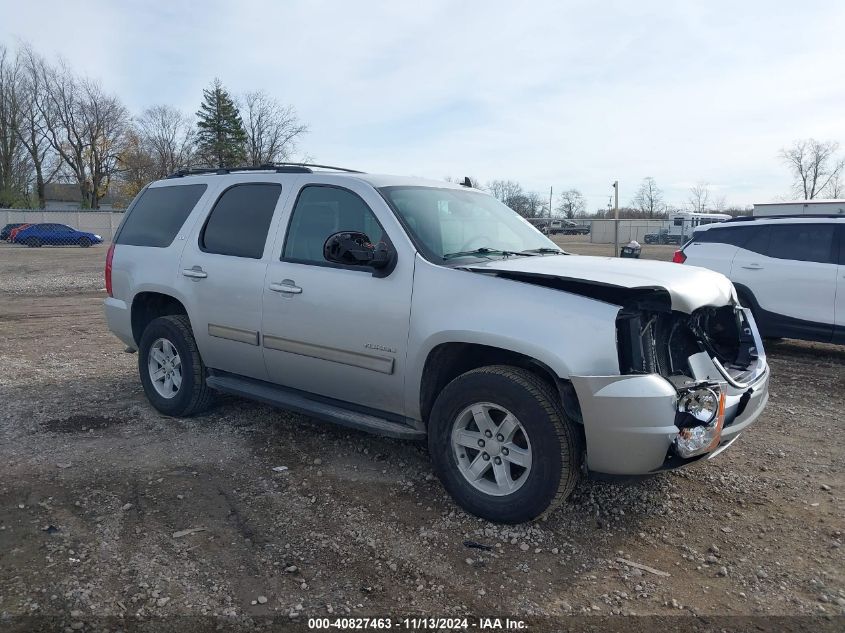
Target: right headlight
[{"x": 701, "y": 415}]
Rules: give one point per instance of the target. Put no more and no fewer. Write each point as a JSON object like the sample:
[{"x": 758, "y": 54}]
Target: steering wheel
[{"x": 473, "y": 240}]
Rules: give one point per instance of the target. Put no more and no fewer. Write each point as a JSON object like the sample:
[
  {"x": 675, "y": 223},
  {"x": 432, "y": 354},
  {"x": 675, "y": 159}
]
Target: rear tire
[
  {"x": 33, "y": 242},
  {"x": 173, "y": 335},
  {"x": 546, "y": 440}
]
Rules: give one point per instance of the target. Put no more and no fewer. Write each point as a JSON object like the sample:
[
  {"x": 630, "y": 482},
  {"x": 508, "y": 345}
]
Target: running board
[{"x": 301, "y": 403}]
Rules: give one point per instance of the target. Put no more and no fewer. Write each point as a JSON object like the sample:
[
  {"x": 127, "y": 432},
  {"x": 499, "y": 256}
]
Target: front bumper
[{"x": 629, "y": 420}]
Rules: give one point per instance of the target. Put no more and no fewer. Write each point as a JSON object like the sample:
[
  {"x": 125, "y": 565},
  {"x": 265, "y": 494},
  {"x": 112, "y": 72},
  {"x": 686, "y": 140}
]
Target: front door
[
  {"x": 335, "y": 330},
  {"x": 222, "y": 275}
]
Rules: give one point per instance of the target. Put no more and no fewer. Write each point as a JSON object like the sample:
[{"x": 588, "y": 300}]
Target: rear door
[
  {"x": 715, "y": 248},
  {"x": 222, "y": 274},
  {"x": 790, "y": 270}
]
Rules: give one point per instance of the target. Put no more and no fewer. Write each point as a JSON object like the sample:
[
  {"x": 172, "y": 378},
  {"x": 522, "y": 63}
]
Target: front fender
[{"x": 568, "y": 333}]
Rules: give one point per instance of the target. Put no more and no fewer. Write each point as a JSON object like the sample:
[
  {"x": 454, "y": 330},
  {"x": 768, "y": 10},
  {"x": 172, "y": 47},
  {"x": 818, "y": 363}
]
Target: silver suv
[{"x": 415, "y": 309}]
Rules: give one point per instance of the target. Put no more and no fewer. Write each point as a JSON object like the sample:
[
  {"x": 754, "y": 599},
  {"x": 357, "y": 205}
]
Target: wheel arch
[
  {"x": 448, "y": 360},
  {"x": 148, "y": 305}
]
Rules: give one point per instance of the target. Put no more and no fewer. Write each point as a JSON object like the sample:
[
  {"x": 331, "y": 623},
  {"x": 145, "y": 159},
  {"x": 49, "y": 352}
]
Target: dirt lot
[{"x": 97, "y": 490}]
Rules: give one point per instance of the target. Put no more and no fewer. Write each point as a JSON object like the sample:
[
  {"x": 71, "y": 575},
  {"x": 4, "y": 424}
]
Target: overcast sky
[{"x": 563, "y": 94}]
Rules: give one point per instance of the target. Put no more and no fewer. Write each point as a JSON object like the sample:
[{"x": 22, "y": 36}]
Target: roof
[
  {"x": 752, "y": 220},
  {"x": 814, "y": 201},
  {"x": 270, "y": 174}
]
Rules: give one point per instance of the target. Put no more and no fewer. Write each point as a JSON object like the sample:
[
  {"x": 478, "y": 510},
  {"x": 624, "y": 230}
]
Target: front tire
[
  {"x": 502, "y": 445},
  {"x": 171, "y": 369},
  {"x": 84, "y": 242}
]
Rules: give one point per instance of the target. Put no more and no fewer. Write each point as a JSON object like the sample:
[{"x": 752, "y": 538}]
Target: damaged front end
[{"x": 688, "y": 384}]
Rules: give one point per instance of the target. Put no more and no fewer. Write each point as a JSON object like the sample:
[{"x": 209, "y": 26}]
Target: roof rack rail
[
  {"x": 279, "y": 168},
  {"x": 793, "y": 216}
]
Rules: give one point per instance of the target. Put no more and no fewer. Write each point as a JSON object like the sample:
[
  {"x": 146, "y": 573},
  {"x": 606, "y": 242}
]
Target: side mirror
[{"x": 353, "y": 248}]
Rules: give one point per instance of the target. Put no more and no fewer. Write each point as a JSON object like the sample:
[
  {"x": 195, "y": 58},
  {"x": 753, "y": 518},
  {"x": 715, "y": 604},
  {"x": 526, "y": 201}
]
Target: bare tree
[
  {"x": 15, "y": 167},
  {"x": 815, "y": 167},
  {"x": 106, "y": 122},
  {"x": 836, "y": 188},
  {"x": 86, "y": 127},
  {"x": 504, "y": 190},
  {"x": 168, "y": 136},
  {"x": 30, "y": 93},
  {"x": 534, "y": 205},
  {"x": 137, "y": 166},
  {"x": 649, "y": 199},
  {"x": 571, "y": 203},
  {"x": 699, "y": 197},
  {"x": 272, "y": 129}
]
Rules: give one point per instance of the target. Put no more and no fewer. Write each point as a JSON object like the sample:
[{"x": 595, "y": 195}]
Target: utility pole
[
  {"x": 616, "y": 218},
  {"x": 550, "y": 202}
]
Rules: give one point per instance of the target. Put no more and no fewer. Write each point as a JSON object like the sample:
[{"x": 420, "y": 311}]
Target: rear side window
[
  {"x": 157, "y": 216},
  {"x": 802, "y": 242},
  {"x": 734, "y": 236},
  {"x": 239, "y": 221},
  {"x": 759, "y": 240}
]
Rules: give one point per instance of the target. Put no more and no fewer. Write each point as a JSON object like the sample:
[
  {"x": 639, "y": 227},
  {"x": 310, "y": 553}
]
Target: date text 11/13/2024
[{"x": 418, "y": 624}]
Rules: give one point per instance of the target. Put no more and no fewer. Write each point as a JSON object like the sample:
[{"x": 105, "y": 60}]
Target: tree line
[
  {"x": 59, "y": 126},
  {"x": 815, "y": 167}
]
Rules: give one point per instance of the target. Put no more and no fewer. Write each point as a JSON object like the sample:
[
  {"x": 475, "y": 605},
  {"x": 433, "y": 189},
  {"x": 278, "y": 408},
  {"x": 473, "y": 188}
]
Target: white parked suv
[
  {"x": 789, "y": 270},
  {"x": 420, "y": 309}
]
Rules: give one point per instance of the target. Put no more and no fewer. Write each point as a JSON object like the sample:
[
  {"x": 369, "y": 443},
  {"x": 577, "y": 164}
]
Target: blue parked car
[{"x": 55, "y": 235}]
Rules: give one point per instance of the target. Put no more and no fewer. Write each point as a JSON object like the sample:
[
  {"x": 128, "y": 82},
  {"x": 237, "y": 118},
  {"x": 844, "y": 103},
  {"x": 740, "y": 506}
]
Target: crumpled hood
[{"x": 689, "y": 287}]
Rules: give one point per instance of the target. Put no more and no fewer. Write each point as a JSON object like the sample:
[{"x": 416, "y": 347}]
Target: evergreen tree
[{"x": 220, "y": 131}]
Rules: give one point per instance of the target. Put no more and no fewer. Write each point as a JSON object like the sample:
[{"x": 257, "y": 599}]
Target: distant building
[
  {"x": 801, "y": 207},
  {"x": 67, "y": 197}
]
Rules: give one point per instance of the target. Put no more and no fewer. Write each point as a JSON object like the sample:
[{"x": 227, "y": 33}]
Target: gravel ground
[{"x": 110, "y": 510}]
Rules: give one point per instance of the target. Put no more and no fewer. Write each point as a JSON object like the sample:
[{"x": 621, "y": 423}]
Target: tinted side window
[
  {"x": 321, "y": 211},
  {"x": 240, "y": 219},
  {"x": 157, "y": 216},
  {"x": 758, "y": 241},
  {"x": 802, "y": 242},
  {"x": 735, "y": 236}
]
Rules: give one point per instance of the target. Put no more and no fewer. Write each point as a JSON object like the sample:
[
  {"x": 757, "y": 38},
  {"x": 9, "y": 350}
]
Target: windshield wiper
[
  {"x": 545, "y": 250},
  {"x": 485, "y": 251}
]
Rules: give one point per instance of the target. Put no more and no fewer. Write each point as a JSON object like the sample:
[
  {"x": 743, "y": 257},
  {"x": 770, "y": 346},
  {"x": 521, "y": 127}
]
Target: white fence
[
  {"x": 601, "y": 231},
  {"x": 103, "y": 223}
]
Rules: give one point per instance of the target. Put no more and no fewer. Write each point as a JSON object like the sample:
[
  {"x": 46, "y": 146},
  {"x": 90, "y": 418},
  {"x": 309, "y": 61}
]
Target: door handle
[
  {"x": 195, "y": 273},
  {"x": 287, "y": 286},
  {"x": 753, "y": 267}
]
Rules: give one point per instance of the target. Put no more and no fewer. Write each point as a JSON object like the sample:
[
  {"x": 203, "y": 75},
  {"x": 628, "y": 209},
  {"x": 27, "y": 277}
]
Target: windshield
[{"x": 450, "y": 223}]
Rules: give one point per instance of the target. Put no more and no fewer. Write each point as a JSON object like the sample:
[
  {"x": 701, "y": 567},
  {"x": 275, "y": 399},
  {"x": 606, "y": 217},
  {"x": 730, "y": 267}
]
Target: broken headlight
[{"x": 700, "y": 417}]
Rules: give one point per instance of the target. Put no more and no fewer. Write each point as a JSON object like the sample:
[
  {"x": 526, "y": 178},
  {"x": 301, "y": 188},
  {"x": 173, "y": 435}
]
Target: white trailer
[
  {"x": 683, "y": 223},
  {"x": 800, "y": 207}
]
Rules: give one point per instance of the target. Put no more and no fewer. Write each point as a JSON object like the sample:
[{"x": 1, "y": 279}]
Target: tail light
[
  {"x": 679, "y": 257},
  {"x": 109, "y": 257}
]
